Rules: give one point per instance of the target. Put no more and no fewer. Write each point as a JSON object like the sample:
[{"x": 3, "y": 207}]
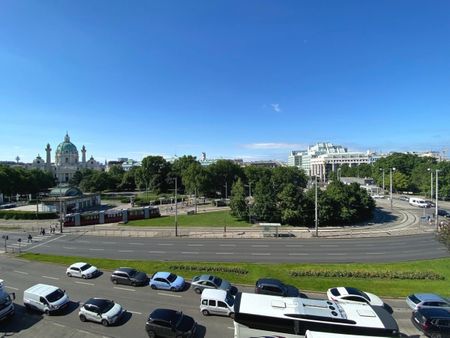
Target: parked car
[
  {"x": 377, "y": 196},
  {"x": 426, "y": 300},
  {"x": 430, "y": 204},
  {"x": 199, "y": 283},
  {"x": 217, "y": 302},
  {"x": 82, "y": 270},
  {"x": 404, "y": 198},
  {"x": 101, "y": 311},
  {"x": 354, "y": 295},
  {"x": 170, "y": 323},
  {"x": 45, "y": 298},
  {"x": 275, "y": 287},
  {"x": 433, "y": 322},
  {"x": 129, "y": 276},
  {"x": 443, "y": 213},
  {"x": 167, "y": 281}
]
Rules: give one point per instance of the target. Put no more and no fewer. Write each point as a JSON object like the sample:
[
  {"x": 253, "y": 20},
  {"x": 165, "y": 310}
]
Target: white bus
[{"x": 258, "y": 316}]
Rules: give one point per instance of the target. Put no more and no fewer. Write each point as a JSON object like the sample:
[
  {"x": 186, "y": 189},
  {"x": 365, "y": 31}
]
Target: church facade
[{"x": 67, "y": 161}]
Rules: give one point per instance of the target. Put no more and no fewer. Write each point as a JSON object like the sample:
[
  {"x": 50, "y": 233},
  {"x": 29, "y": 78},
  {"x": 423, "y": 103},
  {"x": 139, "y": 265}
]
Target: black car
[
  {"x": 170, "y": 323},
  {"x": 433, "y": 322},
  {"x": 129, "y": 276},
  {"x": 443, "y": 213},
  {"x": 275, "y": 287}
]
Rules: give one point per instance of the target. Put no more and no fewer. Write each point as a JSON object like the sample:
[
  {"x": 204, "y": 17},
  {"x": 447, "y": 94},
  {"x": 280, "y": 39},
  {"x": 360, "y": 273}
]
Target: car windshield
[
  {"x": 217, "y": 281},
  {"x": 132, "y": 273},
  {"x": 353, "y": 291},
  {"x": 229, "y": 299},
  {"x": 105, "y": 306},
  {"x": 171, "y": 278},
  {"x": 55, "y": 295},
  {"x": 4, "y": 302},
  {"x": 414, "y": 299},
  {"x": 178, "y": 318},
  {"x": 85, "y": 267}
]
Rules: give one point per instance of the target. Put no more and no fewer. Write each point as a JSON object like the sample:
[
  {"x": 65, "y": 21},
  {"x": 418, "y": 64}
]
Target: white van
[
  {"x": 217, "y": 302},
  {"x": 45, "y": 298},
  {"x": 418, "y": 202}
]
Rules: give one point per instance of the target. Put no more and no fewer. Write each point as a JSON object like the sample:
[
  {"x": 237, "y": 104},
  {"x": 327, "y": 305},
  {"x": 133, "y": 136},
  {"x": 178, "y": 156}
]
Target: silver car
[
  {"x": 199, "y": 283},
  {"x": 101, "y": 311},
  {"x": 426, "y": 300}
]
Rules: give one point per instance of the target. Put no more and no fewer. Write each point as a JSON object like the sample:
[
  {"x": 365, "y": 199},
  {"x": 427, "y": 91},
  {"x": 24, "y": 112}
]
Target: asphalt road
[
  {"x": 19, "y": 275},
  {"x": 272, "y": 250}
]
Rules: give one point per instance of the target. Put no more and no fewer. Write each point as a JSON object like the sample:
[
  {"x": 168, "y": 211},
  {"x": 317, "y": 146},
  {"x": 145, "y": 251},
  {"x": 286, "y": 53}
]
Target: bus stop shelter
[{"x": 270, "y": 229}]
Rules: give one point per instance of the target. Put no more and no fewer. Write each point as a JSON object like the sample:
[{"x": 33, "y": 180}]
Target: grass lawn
[
  {"x": 210, "y": 219},
  {"x": 380, "y": 286}
]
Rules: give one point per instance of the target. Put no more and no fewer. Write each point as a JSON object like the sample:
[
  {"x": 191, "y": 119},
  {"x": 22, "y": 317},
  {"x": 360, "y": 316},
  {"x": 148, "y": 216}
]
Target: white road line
[
  {"x": 224, "y": 253},
  {"x": 95, "y": 249},
  {"x": 230, "y": 327},
  {"x": 260, "y": 253},
  {"x": 156, "y": 252},
  {"x": 48, "y": 277},
  {"x": 168, "y": 295},
  {"x": 69, "y": 247},
  {"x": 10, "y": 287},
  {"x": 58, "y": 324},
  {"x": 375, "y": 253},
  {"x": 260, "y": 246},
  {"x": 195, "y": 245},
  {"x": 328, "y": 246},
  {"x": 134, "y": 312},
  {"x": 294, "y": 245},
  {"x": 83, "y": 332},
  {"x": 38, "y": 245},
  {"x": 337, "y": 254},
  {"x": 82, "y": 241},
  {"x": 298, "y": 254},
  {"x": 126, "y": 289},
  {"x": 166, "y": 244},
  {"x": 364, "y": 245},
  {"x": 125, "y": 250},
  {"x": 133, "y": 243},
  {"x": 24, "y": 273},
  {"x": 85, "y": 283},
  {"x": 108, "y": 242},
  {"x": 189, "y": 252},
  {"x": 227, "y": 245}
]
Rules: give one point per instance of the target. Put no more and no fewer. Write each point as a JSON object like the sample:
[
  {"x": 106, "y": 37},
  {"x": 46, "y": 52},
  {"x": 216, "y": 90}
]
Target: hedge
[
  {"x": 235, "y": 270},
  {"x": 16, "y": 214},
  {"x": 423, "y": 275}
]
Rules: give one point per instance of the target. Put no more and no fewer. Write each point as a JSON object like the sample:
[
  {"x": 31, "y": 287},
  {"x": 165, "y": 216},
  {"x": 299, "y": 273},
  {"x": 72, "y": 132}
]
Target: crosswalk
[{"x": 14, "y": 245}]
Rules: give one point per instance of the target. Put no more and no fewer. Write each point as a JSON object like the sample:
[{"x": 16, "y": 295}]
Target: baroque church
[{"x": 66, "y": 161}]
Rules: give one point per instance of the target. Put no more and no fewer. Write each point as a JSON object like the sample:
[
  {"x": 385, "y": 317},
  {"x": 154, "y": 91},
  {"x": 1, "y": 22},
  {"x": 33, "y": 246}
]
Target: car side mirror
[{"x": 13, "y": 295}]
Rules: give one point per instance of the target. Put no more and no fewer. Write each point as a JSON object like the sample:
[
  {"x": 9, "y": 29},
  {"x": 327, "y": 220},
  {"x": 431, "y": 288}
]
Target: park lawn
[
  {"x": 254, "y": 271},
  {"x": 208, "y": 219}
]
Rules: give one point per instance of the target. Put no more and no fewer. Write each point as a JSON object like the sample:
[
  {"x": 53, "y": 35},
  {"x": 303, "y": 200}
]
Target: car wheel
[
  {"x": 27, "y": 307},
  {"x": 153, "y": 286},
  {"x": 83, "y": 318},
  {"x": 69, "y": 274},
  {"x": 205, "y": 312},
  {"x": 232, "y": 315},
  {"x": 133, "y": 283},
  {"x": 172, "y": 289},
  {"x": 47, "y": 312},
  {"x": 114, "y": 281},
  {"x": 198, "y": 291},
  {"x": 151, "y": 334},
  {"x": 83, "y": 276},
  {"x": 105, "y": 322},
  {"x": 436, "y": 335}
]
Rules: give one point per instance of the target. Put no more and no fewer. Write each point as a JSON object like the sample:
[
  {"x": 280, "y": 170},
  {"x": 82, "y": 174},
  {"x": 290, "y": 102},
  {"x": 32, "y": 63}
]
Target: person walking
[{"x": 30, "y": 238}]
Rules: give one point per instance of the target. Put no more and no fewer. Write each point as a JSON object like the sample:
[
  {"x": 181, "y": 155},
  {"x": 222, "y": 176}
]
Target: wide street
[{"x": 139, "y": 302}]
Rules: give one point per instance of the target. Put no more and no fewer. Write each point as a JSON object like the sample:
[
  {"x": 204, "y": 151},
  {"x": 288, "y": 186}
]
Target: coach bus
[{"x": 267, "y": 316}]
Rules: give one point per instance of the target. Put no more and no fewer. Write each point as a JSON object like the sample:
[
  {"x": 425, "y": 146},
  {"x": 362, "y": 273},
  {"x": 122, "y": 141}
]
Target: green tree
[
  {"x": 290, "y": 203},
  {"x": 265, "y": 206},
  {"x": 153, "y": 174},
  {"x": 238, "y": 204}
]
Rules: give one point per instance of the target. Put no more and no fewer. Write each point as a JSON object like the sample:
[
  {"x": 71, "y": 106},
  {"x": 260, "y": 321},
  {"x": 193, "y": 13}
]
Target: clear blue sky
[{"x": 252, "y": 79}]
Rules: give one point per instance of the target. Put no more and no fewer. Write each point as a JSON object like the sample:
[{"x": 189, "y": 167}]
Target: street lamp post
[
  {"x": 390, "y": 186},
  {"x": 437, "y": 193},
  {"x": 176, "y": 207},
  {"x": 60, "y": 211},
  {"x": 431, "y": 183},
  {"x": 382, "y": 169},
  {"x": 316, "y": 214},
  {"x": 226, "y": 198}
]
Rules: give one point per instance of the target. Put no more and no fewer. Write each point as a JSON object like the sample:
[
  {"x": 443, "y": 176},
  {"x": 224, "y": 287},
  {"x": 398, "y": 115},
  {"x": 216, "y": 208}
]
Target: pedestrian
[
  {"x": 43, "y": 232},
  {"x": 30, "y": 238}
]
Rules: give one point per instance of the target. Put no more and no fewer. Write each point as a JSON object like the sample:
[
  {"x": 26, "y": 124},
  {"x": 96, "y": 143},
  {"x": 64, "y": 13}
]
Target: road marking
[
  {"x": 24, "y": 273},
  {"x": 125, "y": 250},
  {"x": 12, "y": 288},
  {"x": 337, "y": 254},
  {"x": 134, "y": 312},
  {"x": 134, "y": 243},
  {"x": 195, "y": 244},
  {"x": 294, "y": 245},
  {"x": 82, "y": 241},
  {"x": 260, "y": 246},
  {"x": 165, "y": 244},
  {"x": 109, "y": 242},
  {"x": 261, "y": 253},
  {"x": 83, "y": 332},
  {"x": 54, "y": 278},
  {"x": 375, "y": 253},
  {"x": 328, "y": 246},
  {"x": 298, "y": 254},
  {"x": 69, "y": 247},
  {"x": 58, "y": 324},
  {"x": 364, "y": 245},
  {"x": 85, "y": 283},
  {"x": 227, "y": 245},
  {"x": 189, "y": 252},
  {"x": 224, "y": 253},
  {"x": 95, "y": 249},
  {"x": 38, "y": 245},
  {"x": 168, "y": 295},
  {"x": 156, "y": 252},
  {"x": 126, "y": 289},
  {"x": 230, "y": 327}
]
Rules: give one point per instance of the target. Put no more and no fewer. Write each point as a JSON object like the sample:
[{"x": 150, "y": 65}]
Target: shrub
[
  {"x": 200, "y": 268},
  {"x": 16, "y": 214},
  {"x": 422, "y": 275}
]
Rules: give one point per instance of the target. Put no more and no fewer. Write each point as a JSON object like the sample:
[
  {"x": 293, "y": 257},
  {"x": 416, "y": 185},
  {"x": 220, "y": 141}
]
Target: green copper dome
[{"x": 66, "y": 147}]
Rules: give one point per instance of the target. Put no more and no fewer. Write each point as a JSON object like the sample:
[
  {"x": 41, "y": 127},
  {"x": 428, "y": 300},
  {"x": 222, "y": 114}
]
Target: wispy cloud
[
  {"x": 273, "y": 145},
  {"x": 276, "y": 107}
]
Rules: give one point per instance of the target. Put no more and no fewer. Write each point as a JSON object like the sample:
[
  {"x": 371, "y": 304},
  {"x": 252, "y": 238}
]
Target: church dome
[{"x": 66, "y": 147}]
